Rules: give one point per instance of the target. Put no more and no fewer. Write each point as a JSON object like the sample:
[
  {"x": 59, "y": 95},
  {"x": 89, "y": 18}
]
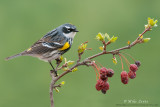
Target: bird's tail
[{"x": 14, "y": 56}]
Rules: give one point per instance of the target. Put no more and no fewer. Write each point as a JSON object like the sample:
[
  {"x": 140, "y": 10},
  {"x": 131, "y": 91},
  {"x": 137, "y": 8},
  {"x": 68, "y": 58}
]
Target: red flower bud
[
  {"x": 106, "y": 86},
  {"x": 133, "y": 67},
  {"x": 103, "y": 71},
  {"x": 124, "y": 77},
  {"x": 138, "y": 63},
  {"x": 103, "y": 77},
  {"x": 110, "y": 72},
  {"x": 100, "y": 84},
  {"x": 103, "y": 91},
  {"x": 131, "y": 74}
]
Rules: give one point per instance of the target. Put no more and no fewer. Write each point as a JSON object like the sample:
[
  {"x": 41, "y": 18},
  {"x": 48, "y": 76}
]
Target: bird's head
[{"x": 69, "y": 30}]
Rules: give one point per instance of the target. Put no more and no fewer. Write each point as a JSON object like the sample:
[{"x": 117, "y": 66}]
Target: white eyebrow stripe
[{"x": 67, "y": 27}]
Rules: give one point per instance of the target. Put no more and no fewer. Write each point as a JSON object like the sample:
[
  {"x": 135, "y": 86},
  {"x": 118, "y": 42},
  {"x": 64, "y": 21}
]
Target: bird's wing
[{"x": 51, "y": 41}]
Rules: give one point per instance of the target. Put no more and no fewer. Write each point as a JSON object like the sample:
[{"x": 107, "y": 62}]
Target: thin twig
[
  {"x": 121, "y": 61},
  {"x": 64, "y": 65}
]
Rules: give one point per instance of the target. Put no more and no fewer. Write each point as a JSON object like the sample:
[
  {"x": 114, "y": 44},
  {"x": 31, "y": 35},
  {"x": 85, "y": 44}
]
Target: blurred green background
[{"x": 24, "y": 82}]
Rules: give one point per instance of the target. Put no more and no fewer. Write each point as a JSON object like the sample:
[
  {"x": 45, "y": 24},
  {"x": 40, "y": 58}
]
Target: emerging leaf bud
[
  {"x": 82, "y": 48},
  {"x": 113, "y": 39},
  {"x": 152, "y": 22},
  {"x": 75, "y": 69},
  {"x": 100, "y": 37},
  {"x": 145, "y": 40},
  {"x": 63, "y": 82},
  {"x": 57, "y": 90},
  {"x": 114, "y": 60},
  {"x": 70, "y": 62}
]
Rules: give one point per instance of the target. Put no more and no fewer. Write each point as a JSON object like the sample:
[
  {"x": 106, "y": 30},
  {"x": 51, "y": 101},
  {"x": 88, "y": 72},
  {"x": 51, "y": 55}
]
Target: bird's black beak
[{"x": 76, "y": 30}]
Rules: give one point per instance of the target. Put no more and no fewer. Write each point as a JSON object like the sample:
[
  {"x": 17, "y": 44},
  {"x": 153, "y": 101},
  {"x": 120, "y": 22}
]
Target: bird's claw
[{"x": 55, "y": 72}]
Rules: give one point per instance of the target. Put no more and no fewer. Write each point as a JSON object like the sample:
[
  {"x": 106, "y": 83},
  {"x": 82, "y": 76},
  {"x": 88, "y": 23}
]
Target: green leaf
[
  {"x": 61, "y": 58},
  {"x": 82, "y": 48},
  {"x": 114, "y": 60},
  {"x": 57, "y": 90},
  {"x": 101, "y": 48},
  {"x": 100, "y": 37},
  {"x": 75, "y": 69},
  {"x": 66, "y": 68},
  {"x": 145, "y": 40},
  {"x": 63, "y": 82},
  {"x": 107, "y": 36},
  {"x": 152, "y": 22},
  {"x": 70, "y": 62},
  {"x": 113, "y": 39}
]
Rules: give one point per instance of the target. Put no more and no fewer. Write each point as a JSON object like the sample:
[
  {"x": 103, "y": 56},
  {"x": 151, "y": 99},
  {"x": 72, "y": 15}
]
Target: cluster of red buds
[
  {"x": 102, "y": 83},
  {"x": 104, "y": 73},
  {"x": 131, "y": 74}
]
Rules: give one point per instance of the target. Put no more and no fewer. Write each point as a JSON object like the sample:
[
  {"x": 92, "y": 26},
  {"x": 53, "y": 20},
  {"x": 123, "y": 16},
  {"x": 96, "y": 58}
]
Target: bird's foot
[
  {"x": 58, "y": 61},
  {"x": 54, "y": 72}
]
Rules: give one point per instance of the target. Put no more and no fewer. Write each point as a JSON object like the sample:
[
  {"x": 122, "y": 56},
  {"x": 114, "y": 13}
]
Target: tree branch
[{"x": 88, "y": 61}]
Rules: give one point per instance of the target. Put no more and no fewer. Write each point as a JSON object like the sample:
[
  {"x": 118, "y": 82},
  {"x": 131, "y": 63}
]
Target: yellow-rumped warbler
[{"x": 52, "y": 45}]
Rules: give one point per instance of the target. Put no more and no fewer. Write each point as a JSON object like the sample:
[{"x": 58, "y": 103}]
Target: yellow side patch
[
  {"x": 29, "y": 49},
  {"x": 65, "y": 46}
]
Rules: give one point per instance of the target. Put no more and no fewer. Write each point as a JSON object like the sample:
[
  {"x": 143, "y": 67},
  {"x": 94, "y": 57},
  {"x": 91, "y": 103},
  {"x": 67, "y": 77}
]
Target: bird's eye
[{"x": 69, "y": 29}]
